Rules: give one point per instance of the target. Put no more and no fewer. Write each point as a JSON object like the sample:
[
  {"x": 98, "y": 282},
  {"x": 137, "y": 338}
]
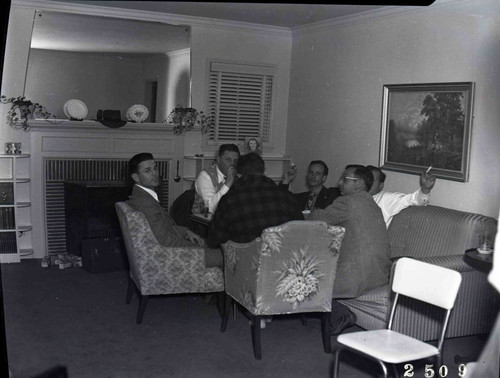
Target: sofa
[{"x": 439, "y": 236}]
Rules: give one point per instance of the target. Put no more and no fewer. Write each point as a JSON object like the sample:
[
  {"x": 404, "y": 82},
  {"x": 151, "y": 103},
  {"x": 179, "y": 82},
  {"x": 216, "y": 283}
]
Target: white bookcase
[{"x": 15, "y": 216}]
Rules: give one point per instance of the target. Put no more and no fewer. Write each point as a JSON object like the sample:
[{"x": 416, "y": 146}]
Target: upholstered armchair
[
  {"x": 155, "y": 269},
  {"x": 289, "y": 269}
]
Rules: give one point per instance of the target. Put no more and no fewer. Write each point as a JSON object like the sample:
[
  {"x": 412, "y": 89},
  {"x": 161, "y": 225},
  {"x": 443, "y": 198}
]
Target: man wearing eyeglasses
[{"x": 364, "y": 259}]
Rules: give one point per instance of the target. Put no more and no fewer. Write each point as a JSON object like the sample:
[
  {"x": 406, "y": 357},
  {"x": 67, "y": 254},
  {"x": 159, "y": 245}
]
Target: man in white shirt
[
  {"x": 212, "y": 183},
  {"x": 392, "y": 203}
]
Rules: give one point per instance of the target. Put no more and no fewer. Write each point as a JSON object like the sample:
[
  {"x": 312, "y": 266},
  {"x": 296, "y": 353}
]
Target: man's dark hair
[
  {"x": 381, "y": 174},
  {"x": 363, "y": 173},
  {"x": 322, "y": 163},
  {"x": 135, "y": 160},
  {"x": 228, "y": 147},
  {"x": 250, "y": 164}
]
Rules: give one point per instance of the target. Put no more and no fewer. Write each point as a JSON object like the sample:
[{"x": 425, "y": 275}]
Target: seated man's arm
[
  {"x": 205, "y": 188},
  {"x": 335, "y": 214},
  {"x": 164, "y": 228},
  {"x": 393, "y": 203},
  {"x": 218, "y": 229}
]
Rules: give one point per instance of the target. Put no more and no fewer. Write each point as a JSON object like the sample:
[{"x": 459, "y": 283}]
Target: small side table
[
  {"x": 479, "y": 261},
  {"x": 482, "y": 263}
]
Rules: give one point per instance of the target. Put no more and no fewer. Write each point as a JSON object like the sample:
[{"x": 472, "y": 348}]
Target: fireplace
[
  {"x": 80, "y": 197},
  {"x": 91, "y": 155}
]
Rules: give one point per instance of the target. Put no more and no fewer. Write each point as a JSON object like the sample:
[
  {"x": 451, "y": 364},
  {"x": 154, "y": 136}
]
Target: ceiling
[{"x": 275, "y": 14}]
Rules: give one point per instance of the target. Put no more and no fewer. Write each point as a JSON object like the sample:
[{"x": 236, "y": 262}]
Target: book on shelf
[
  {"x": 6, "y": 193},
  {"x": 8, "y": 243},
  {"x": 7, "y": 218}
]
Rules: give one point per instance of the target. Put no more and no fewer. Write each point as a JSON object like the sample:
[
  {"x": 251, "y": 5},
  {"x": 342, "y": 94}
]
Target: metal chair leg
[
  {"x": 256, "y": 337},
  {"x": 142, "y": 307},
  {"x": 395, "y": 370},
  {"x": 335, "y": 363}
]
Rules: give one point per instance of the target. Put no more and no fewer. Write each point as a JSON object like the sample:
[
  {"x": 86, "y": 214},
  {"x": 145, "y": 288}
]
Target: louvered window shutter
[{"x": 240, "y": 100}]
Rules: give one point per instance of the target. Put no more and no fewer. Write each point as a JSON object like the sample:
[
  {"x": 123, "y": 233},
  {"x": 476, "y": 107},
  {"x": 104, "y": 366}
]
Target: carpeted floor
[{"x": 80, "y": 320}]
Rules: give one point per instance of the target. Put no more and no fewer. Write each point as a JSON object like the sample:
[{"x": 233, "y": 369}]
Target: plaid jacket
[{"x": 253, "y": 203}]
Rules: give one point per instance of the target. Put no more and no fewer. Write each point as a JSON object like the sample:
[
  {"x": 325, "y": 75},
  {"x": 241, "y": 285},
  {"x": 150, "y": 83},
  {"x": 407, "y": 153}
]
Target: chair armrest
[{"x": 192, "y": 258}]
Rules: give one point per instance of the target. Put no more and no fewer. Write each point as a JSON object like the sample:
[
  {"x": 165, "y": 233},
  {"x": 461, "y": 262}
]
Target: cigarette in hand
[{"x": 428, "y": 169}]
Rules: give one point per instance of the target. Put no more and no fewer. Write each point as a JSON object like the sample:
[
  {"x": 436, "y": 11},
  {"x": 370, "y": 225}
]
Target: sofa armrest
[{"x": 455, "y": 262}]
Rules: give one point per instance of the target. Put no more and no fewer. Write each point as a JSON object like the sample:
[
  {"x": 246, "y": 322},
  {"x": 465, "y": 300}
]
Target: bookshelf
[{"x": 14, "y": 207}]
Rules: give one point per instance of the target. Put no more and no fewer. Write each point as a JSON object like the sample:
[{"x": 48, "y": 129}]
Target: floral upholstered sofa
[{"x": 439, "y": 236}]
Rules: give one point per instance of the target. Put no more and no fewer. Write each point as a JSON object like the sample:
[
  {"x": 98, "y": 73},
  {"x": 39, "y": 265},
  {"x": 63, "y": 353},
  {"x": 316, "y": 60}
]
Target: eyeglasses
[{"x": 345, "y": 178}]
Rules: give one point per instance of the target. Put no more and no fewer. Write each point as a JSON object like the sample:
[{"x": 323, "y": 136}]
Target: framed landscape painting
[{"x": 427, "y": 125}]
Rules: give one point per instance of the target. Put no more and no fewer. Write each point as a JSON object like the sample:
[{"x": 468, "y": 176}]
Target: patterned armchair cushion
[
  {"x": 289, "y": 269},
  {"x": 161, "y": 270}
]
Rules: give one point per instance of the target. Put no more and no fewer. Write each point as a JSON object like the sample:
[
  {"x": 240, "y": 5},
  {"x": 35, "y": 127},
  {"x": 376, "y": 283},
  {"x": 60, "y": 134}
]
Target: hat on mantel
[{"x": 110, "y": 118}]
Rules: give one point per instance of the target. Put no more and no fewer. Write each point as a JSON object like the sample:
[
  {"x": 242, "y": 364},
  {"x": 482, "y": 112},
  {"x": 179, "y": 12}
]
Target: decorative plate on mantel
[
  {"x": 75, "y": 109},
  {"x": 137, "y": 113}
]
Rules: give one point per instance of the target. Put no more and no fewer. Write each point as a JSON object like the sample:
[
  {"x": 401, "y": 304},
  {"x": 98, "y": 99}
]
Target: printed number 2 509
[{"x": 430, "y": 373}]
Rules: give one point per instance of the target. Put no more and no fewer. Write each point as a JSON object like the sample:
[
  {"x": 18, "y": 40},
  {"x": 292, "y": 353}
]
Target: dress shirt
[
  {"x": 205, "y": 188},
  {"x": 150, "y": 191},
  {"x": 253, "y": 203},
  {"x": 392, "y": 203}
]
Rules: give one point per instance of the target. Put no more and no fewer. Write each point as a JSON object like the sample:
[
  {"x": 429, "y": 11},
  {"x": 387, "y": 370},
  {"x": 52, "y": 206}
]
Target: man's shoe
[{"x": 343, "y": 322}]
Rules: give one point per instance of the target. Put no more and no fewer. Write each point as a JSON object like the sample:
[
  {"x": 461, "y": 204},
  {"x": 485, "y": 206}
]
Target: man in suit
[
  {"x": 143, "y": 170},
  {"x": 364, "y": 259},
  {"x": 318, "y": 196}
]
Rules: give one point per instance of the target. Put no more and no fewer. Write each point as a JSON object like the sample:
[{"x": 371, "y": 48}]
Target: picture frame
[
  {"x": 253, "y": 144},
  {"x": 426, "y": 125}
]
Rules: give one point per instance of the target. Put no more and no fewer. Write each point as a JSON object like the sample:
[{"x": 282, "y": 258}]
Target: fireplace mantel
[{"x": 87, "y": 125}]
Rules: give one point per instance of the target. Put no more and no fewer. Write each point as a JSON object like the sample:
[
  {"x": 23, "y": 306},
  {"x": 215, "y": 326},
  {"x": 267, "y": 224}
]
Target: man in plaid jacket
[{"x": 253, "y": 203}]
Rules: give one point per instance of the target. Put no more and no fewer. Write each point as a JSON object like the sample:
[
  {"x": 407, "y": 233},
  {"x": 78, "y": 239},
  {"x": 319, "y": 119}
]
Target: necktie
[{"x": 310, "y": 201}]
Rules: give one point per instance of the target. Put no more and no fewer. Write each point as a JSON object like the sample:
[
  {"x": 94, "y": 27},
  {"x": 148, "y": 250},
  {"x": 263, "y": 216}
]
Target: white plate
[
  {"x": 485, "y": 251},
  {"x": 75, "y": 109},
  {"x": 137, "y": 113}
]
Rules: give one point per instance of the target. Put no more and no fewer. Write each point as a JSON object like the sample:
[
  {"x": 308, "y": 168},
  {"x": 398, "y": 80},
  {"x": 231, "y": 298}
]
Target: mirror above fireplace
[{"x": 108, "y": 63}]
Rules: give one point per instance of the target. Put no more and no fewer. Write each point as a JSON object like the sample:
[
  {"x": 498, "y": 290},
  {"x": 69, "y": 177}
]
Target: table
[
  {"x": 200, "y": 223},
  {"x": 482, "y": 263},
  {"x": 479, "y": 261}
]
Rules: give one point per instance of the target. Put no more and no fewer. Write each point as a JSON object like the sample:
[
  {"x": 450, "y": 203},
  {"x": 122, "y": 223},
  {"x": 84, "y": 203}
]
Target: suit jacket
[
  {"x": 325, "y": 198},
  {"x": 364, "y": 260},
  {"x": 164, "y": 228}
]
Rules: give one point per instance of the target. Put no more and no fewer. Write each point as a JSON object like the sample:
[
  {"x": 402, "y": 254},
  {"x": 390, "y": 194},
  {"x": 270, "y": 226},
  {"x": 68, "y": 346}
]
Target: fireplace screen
[{"x": 95, "y": 173}]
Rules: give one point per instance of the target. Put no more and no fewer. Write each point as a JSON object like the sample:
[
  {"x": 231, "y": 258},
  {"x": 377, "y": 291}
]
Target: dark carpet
[{"x": 80, "y": 320}]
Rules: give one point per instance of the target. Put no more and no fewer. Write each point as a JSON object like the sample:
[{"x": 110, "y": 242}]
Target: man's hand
[
  {"x": 194, "y": 238},
  {"x": 230, "y": 176},
  {"x": 290, "y": 174},
  {"x": 427, "y": 181}
]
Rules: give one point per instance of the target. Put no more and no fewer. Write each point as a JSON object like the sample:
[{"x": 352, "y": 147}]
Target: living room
[{"x": 330, "y": 78}]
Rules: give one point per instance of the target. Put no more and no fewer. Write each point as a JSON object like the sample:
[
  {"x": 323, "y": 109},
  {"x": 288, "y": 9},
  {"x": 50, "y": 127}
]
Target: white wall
[
  {"x": 337, "y": 77},
  {"x": 268, "y": 46}
]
